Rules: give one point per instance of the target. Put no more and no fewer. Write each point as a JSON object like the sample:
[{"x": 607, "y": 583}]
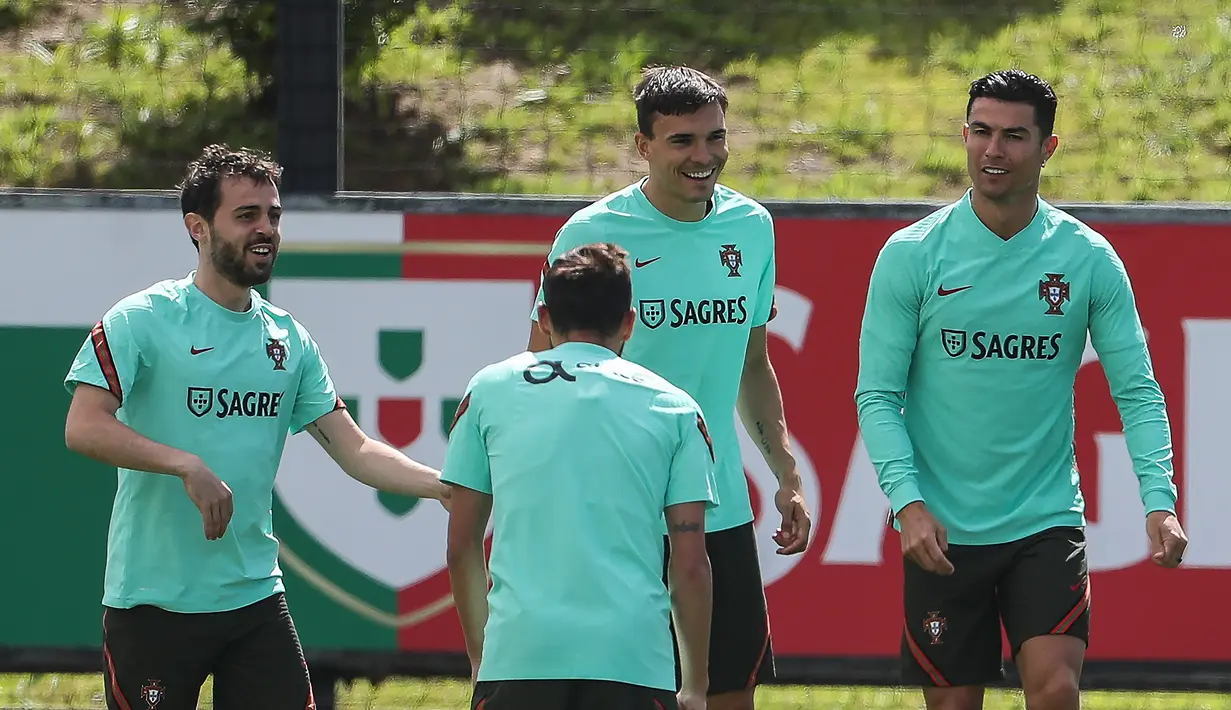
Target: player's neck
[
  {"x": 223, "y": 292},
  {"x": 675, "y": 209},
  {"x": 1005, "y": 218},
  {"x": 612, "y": 344}
]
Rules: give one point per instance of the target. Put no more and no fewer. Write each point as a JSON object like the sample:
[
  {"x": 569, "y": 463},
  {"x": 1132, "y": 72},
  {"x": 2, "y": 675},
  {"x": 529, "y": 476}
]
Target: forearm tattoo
[{"x": 764, "y": 439}]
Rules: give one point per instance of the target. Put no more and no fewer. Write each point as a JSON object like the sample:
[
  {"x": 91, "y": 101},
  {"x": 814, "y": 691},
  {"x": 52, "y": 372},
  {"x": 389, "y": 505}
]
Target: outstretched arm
[{"x": 374, "y": 463}]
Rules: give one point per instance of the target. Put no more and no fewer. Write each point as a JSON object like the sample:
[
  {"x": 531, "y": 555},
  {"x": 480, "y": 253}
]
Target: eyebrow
[
  {"x": 245, "y": 208},
  {"x": 717, "y": 131},
  {"x": 1010, "y": 129}
]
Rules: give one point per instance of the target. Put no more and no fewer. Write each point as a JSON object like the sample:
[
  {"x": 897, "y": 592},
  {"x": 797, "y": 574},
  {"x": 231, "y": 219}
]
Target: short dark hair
[
  {"x": 589, "y": 289},
  {"x": 201, "y": 188},
  {"x": 1017, "y": 86},
  {"x": 673, "y": 91}
]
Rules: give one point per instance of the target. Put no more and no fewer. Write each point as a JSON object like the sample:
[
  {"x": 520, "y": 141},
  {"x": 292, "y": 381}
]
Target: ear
[
  {"x": 626, "y": 328},
  {"x": 544, "y": 323},
  {"x": 965, "y": 132},
  {"x": 196, "y": 225},
  {"x": 1049, "y": 148},
  {"x": 643, "y": 145}
]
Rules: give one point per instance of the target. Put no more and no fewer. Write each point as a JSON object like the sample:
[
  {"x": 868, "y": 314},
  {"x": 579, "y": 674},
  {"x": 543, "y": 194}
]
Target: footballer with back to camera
[
  {"x": 703, "y": 279},
  {"x": 974, "y": 327},
  {"x": 576, "y": 455},
  {"x": 189, "y": 388}
]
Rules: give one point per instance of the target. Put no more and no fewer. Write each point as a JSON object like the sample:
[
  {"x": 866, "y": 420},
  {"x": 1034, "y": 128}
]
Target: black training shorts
[
  {"x": 741, "y": 652},
  {"x": 159, "y": 659},
  {"x": 1037, "y": 586},
  {"x": 568, "y": 695}
]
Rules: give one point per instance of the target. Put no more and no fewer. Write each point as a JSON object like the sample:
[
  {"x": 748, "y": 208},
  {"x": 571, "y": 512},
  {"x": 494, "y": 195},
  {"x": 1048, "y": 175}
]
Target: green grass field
[
  {"x": 68, "y": 692},
  {"x": 830, "y": 99}
]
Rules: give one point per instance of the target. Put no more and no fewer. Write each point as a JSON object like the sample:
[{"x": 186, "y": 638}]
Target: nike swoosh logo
[
  {"x": 194, "y": 351},
  {"x": 647, "y": 262},
  {"x": 942, "y": 291}
]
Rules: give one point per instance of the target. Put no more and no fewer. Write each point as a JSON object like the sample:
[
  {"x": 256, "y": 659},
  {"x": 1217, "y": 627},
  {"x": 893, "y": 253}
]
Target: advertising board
[{"x": 404, "y": 325}]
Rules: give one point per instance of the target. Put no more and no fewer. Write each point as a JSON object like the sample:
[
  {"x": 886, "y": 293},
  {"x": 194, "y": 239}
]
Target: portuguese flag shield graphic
[{"x": 403, "y": 331}]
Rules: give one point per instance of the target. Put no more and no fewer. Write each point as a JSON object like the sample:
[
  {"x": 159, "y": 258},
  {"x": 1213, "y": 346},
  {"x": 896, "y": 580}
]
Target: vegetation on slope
[{"x": 833, "y": 100}]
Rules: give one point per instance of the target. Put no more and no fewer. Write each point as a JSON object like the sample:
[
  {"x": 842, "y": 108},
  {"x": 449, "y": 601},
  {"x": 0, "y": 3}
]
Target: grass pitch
[{"x": 85, "y": 692}]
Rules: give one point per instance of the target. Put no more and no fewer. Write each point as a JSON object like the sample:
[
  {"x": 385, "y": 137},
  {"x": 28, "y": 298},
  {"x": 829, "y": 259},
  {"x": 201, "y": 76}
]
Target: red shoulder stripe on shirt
[
  {"x": 705, "y": 432},
  {"x": 461, "y": 409},
  {"x": 102, "y": 352}
]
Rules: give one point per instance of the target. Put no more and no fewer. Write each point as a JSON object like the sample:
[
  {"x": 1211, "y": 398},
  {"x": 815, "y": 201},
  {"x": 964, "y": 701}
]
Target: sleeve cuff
[
  {"x": 906, "y": 493},
  {"x": 1158, "y": 500},
  {"x": 317, "y": 412},
  {"x": 486, "y": 490}
]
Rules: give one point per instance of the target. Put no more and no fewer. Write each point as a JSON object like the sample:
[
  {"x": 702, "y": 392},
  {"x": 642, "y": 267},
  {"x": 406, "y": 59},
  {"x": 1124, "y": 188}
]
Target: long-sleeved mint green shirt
[{"x": 968, "y": 353}]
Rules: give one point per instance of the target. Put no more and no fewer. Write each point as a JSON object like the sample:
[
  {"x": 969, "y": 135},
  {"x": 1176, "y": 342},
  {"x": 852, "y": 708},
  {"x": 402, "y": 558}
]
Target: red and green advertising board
[{"x": 407, "y": 303}]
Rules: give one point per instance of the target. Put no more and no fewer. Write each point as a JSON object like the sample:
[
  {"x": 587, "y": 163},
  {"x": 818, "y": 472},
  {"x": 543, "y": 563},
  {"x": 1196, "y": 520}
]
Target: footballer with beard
[{"x": 189, "y": 388}]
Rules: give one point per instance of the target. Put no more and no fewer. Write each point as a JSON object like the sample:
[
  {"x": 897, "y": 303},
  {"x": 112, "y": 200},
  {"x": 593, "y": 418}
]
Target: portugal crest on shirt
[
  {"x": 276, "y": 350},
  {"x": 731, "y": 258},
  {"x": 1054, "y": 291}
]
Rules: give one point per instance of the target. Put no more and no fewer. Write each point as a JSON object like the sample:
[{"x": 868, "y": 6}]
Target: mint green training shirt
[
  {"x": 227, "y": 387},
  {"x": 699, "y": 288},
  {"x": 582, "y": 452},
  {"x": 968, "y": 353}
]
